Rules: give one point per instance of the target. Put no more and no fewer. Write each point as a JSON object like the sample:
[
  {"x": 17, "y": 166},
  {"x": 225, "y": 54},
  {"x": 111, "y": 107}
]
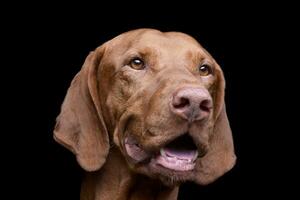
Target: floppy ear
[
  {"x": 220, "y": 157},
  {"x": 80, "y": 126}
]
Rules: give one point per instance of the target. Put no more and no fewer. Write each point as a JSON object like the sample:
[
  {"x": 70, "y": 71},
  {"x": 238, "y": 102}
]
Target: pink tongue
[{"x": 180, "y": 153}]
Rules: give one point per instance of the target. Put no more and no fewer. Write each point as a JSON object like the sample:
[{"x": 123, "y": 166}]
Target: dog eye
[
  {"x": 137, "y": 63},
  {"x": 205, "y": 70}
]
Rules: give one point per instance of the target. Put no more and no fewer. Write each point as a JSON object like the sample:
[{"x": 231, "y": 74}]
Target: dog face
[{"x": 160, "y": 98}]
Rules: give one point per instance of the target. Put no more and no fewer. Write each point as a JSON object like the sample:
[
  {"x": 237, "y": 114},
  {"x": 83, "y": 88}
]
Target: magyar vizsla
[{"x": 146, "y": 113}]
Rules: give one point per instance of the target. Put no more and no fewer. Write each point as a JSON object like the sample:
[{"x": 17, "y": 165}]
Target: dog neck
[{"x": 115, "y": 181}]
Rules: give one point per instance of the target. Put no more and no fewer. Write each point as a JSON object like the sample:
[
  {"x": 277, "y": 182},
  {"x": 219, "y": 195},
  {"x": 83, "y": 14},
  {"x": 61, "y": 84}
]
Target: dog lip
[
  {"x": 187, "y": 155},
  {"x": 136, "y": 153},
  {"x": 179, "y": 161},
  {"x": 168, "y": 157},
  {"x": 174, "y": 164},
  {"x": 130, "y": 141}
]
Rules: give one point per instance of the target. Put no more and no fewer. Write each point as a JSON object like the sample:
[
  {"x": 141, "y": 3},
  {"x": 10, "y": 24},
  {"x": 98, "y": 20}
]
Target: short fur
[{"x": 108, "y": 100}]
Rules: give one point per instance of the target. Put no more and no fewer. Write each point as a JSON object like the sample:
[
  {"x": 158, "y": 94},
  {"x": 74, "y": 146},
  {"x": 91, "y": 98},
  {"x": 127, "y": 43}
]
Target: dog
[{"x": 146, "y": 113}]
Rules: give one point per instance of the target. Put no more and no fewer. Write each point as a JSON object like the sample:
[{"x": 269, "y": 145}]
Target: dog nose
[{"x": 191, "y": 103}]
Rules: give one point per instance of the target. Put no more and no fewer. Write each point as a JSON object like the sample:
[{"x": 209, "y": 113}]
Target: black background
[{"x": 48, "y": 45}]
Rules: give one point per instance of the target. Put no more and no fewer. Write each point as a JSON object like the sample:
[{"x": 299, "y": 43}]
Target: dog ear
[
  {"x": 80, "y": 126},
  {"x": 220, "y": 157}
]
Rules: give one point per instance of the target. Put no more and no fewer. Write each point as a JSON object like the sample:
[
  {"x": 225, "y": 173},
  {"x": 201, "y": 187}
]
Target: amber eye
[
  {"x": 137, "y": 63},
  {"x": 205, "y": 70}
]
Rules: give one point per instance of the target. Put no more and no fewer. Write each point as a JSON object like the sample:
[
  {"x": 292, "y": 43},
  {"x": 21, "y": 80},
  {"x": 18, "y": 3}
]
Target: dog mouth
[{"x": 178, "y": 155}]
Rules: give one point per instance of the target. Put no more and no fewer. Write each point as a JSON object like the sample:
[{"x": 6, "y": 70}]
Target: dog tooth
[
  {"x": 195, "y": 156},
  {"x": 170, "y": 159},
  {"x": 162, "y": 152}
]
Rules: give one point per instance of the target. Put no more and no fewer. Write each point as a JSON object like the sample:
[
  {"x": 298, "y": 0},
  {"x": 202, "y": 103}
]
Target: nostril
[
  {"x": 205, "y": 105},
  {"x": 181, "y": 102}
]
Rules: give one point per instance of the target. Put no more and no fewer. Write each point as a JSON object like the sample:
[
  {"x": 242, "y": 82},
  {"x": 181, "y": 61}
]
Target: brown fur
[{"x": 108, "y": 100}]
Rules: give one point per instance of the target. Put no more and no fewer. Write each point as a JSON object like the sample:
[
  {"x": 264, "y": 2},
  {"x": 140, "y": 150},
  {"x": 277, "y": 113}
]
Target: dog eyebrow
[{"x": 142, "y": 51}]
